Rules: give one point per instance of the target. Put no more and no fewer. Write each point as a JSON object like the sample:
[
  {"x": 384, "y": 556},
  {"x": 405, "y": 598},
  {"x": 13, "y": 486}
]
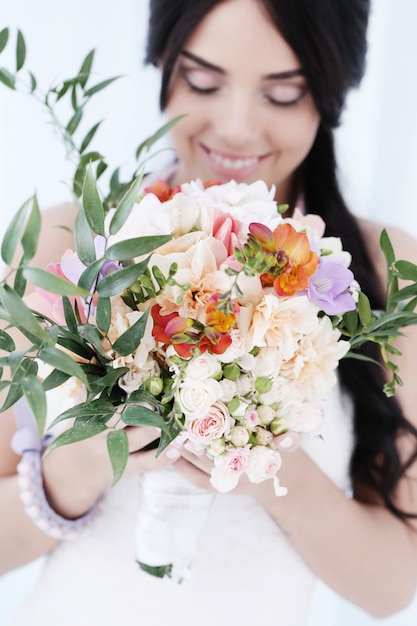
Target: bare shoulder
[
  {"x": 56, "y": 233},
  {"x": 404, "y": 244}
]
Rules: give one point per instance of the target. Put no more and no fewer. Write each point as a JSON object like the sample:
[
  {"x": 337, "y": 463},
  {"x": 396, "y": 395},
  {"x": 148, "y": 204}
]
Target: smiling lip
[{"x": 232, "y": 166}]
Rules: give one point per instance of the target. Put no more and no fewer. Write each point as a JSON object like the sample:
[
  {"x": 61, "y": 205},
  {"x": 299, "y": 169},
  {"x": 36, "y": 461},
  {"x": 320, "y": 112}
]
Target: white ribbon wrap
[{"x": 172, "y": 513}]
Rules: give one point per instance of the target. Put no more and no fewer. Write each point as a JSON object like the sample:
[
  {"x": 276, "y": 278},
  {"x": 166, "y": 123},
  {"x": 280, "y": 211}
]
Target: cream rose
[
  {"x": 195, "y": 397},
  {"x": 263, "y": 463}
]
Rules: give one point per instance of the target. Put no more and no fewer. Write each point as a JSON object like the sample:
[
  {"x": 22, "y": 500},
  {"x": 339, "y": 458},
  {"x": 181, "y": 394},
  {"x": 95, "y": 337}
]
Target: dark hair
[{"x": 329, "y": 38}]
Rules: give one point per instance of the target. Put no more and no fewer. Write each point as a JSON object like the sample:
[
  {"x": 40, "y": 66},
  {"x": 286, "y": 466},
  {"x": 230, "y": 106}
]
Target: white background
[{"x": 377, "y": 145}]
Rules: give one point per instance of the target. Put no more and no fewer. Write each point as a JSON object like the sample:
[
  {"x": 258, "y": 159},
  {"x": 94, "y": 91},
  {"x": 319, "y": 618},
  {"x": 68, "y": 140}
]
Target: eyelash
[{"x": 211, "y": 90}]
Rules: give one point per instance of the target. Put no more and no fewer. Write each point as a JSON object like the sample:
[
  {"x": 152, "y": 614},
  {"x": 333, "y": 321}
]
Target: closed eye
[{"x": 200, "y": 81}]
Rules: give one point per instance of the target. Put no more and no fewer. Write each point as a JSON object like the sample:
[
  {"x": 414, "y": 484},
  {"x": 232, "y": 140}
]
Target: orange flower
[
  {"x": 218, "y": 316},
  {"x": 302, "y": 261},
  {"x": 162, "y": 190}
]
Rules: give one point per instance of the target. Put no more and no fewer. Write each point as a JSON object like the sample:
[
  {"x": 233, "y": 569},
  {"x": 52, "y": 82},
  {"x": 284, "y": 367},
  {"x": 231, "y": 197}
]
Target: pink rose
[
  {"x": 228, "y": 469},
  {"x": 212, "y": 425},
  {"x": 226, "y": 229},
  {"x": 263, "y": 463}
]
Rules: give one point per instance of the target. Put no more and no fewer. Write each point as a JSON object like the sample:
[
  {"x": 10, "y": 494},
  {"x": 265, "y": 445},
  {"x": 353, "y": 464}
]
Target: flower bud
[
  {"x": 278, "y": 426},
  {"x": 237, "y": 408},
  {"x": 215, "y": 448},
  {"x": 263, "y": 436},
  {"x": 263, "y": 384},
  {"x": 231, "y": 371},
  {"x": 266, "y": 414},
  {"x": 239, "y": 436},
  {"x": 154, "y": 384}
]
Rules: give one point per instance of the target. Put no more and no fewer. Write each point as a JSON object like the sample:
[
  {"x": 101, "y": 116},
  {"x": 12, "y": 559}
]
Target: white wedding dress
[{"x": 245, "y": 568}]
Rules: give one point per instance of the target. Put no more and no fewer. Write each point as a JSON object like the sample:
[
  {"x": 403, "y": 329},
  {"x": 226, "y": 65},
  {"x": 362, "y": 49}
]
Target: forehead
[{"x": 239, "y": 33}]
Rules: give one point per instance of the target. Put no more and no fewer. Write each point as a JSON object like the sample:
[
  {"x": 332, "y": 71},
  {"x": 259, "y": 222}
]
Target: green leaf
[
  {"x": 14, "y": 394},
  {"x": 55, "y": 379},
  {"x": 86, "y": 411},
  {"x": 4, "y": 38},
  {"x": 83, "y": 238},
  {"x": 159, "y": 571},
  {"x": 118, "y": 449},
  {"x": 35, "y": 395},
  {"x": 53, "y": 283},
  {"x": 111, "y": 378},
  {"x": 30, "y": 236},
  {"x": 63, "y": 362},
  {"x": 351, "y": 320},
  {"x": 20, "y": 51},
  {"x": 386, "y": 247},
  {"x": 73, "y": 344},
  {"x": 74, "y": 121},
  {"x": 406, "y": 270},
  {"x": 364, "y": 308},
  {"x": 69, "y": 315},
  {"x": 78, "y": 180},
  {"x": 33, "y": 82},
  {"x": 138, "y": 246},
  {"x": 90, "y": 274},
  {"x": 131, "y": 338},
  {"x": 13, "y": 233},
  {"x": 20, "y": 282},
  {"x": 85, "y": 69},
  {"x": 117, "y": 282},
  {"x": 92, "y": 90},
  {"x": 92, "y": 204},
  {"x": 22, "y": 316},
  {"x": 148, "y": 143},
  {"x": 89, "y": 137},
  {"x": 76, "y": 433},
  {"x": 103, "y": 314},
  {"x": 126, "y": 205},
  {"x": 137, "y": 415},
  {"x": 6, "y": 342},
  {"x": 7, "y": 79}
]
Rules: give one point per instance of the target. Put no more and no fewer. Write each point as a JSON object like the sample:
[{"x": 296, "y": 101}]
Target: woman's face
[{"x": 249, "y": 113}]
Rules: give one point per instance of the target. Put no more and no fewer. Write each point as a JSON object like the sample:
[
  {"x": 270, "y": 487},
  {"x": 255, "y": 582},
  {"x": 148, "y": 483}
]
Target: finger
[
  {"x": 288, "y": 442},
  {"x": 141, "y": 436},
  {"x": 202, "y": 462},
  {"x": 140, "y": 462},
  {"x": 193, "y": 474}
]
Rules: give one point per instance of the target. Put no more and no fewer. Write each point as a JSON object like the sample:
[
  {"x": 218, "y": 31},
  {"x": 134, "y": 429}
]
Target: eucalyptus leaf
[
  {"x": 102, "y": 85},
  {"x": 13, "y": 395},
  {"x": 4, "y": 38},
  {"x": 83, "y": 238},
  {"x": 33, "y": 82},
  {"x": 76, "y": 433},
  {"x": 135, "y": 247},
  {"x": 406, "y": 270},
  {"x": 89, "y": 137},
  {"x": 7, "y": 79},
  {"x": 20, "y": 51},
  {"x": 69, "y": 315},
  {"x": 131, "y": 338},
  {"x": 111, "y": 378},
  {"x": 118, "y": 281},
  {"x": 21, "y": 315},
  {"x": 126, "y": 204},
  {"x": 387, "y": 248},
  {"x": 35, "y": 395},
  {"x": 148, "y": 143},
  {"x": 14, "y": 232},
  {"x": 85, "y": 69},
  {"x": 137, "y": 415},
  {"x": 96, "y": 408},
  {"x": 103, "y": 313},
  {"x": 55, "y": 379},
  {"x": 20, "y": 282},
  {"x": 74, "y": 121},
  {"x": 6, "y": 342},
  {"x": 63, "y": 362},
  {"x": 90, "y": 274},
  {"x": 32, "y": 231},
  {"x": 118, "y": 449},
  {"x": 92, "y": 205},
  {"x": 77, "y": 347},
  {"x": 53, "y": 283},
  {"x": 364, "y": 308}
]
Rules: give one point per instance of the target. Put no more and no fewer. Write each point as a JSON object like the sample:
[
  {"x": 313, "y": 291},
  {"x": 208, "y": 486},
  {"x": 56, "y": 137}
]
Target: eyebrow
[{"x": 220, "y": 70}]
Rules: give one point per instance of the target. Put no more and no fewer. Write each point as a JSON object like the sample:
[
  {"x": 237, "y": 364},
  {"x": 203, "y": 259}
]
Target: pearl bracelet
[{"x": 37, "y": 507}]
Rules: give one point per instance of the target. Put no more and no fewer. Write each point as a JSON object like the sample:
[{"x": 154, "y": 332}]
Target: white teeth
[{"x": 234, "y": 164}]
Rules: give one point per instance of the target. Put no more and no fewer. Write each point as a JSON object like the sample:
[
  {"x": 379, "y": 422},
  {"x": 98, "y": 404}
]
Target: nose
[{"x": 238, "y": 122}]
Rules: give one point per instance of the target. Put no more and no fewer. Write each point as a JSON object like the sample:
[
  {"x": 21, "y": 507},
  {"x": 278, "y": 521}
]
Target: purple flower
[{"x": 328, "y": 286}]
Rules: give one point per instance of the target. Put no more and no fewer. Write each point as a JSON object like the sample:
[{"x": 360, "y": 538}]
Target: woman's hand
[{"x": 76, "y": 475}]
